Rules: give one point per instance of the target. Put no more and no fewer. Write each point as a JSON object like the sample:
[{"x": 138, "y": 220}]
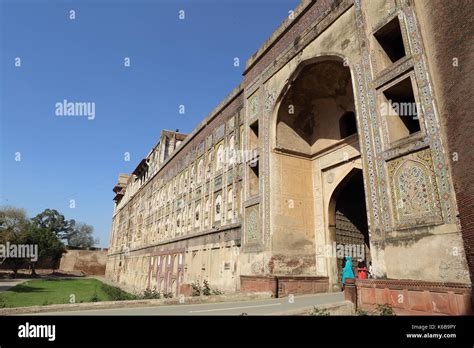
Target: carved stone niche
[{"x": 415, "y": 198}]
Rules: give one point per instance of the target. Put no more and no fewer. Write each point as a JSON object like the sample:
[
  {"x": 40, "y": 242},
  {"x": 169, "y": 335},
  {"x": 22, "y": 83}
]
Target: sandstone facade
[{"x": 314, "y": 149}]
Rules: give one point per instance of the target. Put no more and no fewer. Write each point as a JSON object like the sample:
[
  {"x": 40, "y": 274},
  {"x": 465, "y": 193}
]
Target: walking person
[{"x": 347, "y": 271}]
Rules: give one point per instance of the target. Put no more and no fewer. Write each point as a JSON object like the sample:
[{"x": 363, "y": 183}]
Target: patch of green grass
[{"x": 55, "y": 291}]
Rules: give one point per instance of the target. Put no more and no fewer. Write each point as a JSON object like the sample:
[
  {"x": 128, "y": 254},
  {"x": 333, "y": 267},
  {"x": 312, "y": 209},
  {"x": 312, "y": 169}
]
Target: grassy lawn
[{"x": 53, "y": 291}]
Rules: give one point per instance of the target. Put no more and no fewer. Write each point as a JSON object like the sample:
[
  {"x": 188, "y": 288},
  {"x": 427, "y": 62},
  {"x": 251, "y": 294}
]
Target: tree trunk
[{"x": 33, "y": 268}]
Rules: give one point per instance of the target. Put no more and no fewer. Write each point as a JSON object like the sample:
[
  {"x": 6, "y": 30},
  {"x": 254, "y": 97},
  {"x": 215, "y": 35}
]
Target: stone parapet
[{"x": 414, "y": 297}]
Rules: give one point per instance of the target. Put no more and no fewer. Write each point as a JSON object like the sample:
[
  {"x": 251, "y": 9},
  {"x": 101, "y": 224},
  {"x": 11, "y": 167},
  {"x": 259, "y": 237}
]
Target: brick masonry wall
[
  {"x": 414, "y": 297},
  {"x": 283, "y": 286},
  {"x": 302, "y": 285},
  {"x": 446, "y": 27},
  {"x": 258, "y": 284},
  {"x": 91, "y": 262}
]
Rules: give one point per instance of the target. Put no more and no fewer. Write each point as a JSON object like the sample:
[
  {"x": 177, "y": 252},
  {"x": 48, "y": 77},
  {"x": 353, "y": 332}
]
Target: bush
[
  {"x": 361, "y": 312},
  {"x": 217, "y": 292},
  {"x": 206, "y": 289},
  {"x": 196, "y": 289},
  {"x": 167, "y": 294},
  {"x": 117, "y": 294},
  {"x": 320, "y": 312},
  {"x": 384, "y": 310},
  {"x": 380, "y": 309},
  {"x": 150, "y": 295}
]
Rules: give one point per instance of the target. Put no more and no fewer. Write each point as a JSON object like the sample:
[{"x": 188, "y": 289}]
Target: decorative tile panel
[
  {"x": 253, "y": 105},
  {"x": 252, "y": 225},
  {"x": 415, "y": 199},
  {"x": 219, "y": 133}
]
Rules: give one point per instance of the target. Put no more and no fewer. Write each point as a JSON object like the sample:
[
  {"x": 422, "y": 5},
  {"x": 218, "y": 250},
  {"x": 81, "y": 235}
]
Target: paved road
[
  {"x": 256, "y": 307},
  {"x": 6, "y": 284}
]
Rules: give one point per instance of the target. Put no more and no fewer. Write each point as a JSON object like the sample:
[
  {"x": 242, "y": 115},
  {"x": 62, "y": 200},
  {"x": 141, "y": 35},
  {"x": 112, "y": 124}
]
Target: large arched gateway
[{"x": 316, "y": 148}]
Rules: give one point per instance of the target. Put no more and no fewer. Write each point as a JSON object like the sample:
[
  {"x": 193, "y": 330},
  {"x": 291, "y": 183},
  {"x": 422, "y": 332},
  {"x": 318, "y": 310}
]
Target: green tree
[
  {"x": 13, "y": 225},
  {"x": 81, "y": 236},
  {"x": 54, "y": 221},
  {"x": 13, "y": 221},
  {"x": 48, "y": 243},
  {"x": 15, "y": 263}
]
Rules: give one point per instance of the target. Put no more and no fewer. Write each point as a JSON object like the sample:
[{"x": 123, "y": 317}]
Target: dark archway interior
[
  {"x": 351, "y": 218},
  {"x": 347, "y": 124},
  {"x": 318, "y": 109}
]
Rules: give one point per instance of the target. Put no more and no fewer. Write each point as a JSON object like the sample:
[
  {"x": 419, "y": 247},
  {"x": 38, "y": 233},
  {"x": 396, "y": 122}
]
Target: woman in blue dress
[{"x": 347, "y": 271}]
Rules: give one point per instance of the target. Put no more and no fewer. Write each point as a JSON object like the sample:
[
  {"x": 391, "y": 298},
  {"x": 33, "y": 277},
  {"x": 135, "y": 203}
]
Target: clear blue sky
[{"x": 173, "y": 62}]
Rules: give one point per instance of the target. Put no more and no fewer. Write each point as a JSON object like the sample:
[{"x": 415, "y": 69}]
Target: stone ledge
[
  {"x": 134, "y": 303},
  {"x": 336, "y": 308},
  {"x": 414, "y": 285},
  {"x": 210, "y": 231}
]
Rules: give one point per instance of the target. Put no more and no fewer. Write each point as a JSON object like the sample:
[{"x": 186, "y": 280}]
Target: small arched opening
[{"x": 348, "y": 225}]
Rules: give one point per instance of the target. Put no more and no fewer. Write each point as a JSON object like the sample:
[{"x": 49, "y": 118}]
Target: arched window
[
  {"x": 197, "y": 216},
  {"x": 172, "y": 225},
  {"x": 241, "y": 199},
  {"x": 218, "y": 208},
  {"x": 210, "y": 160},
  {"x": 192, "y": 174},
  {"x": 190, "y": 218},
  {"x": 230, "y": 204},
  {"x": 200, "y": 170},
  {"x": 184, "y": 219},
  {"x": 206, "y": 212},
  {"x": 178, "y": 223},
  {"x": 220, "y": 157},
  {"x": 232, "y": 155},
  {"x": 347, "y": 124}
]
